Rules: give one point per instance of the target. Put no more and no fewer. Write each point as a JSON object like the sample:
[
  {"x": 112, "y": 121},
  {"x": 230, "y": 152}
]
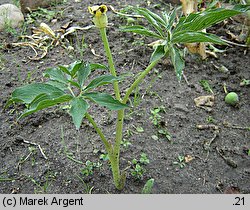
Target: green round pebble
[{"x": 232, "y": 98}]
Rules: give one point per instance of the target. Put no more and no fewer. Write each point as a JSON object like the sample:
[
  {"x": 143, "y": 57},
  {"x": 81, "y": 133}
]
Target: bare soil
[{"x": 216, "y": 160}]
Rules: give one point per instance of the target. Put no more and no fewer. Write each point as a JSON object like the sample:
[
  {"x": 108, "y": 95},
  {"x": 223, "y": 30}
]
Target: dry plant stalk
[
  {"x": 44, "y": 37},
  {"x": 188, "y": 7}
]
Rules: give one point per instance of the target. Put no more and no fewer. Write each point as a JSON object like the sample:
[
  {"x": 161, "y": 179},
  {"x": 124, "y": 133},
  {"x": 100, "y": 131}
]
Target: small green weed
[
  {"x": 205, "y": 85},
  {"x": 137, "y": 97},
  {"x": 210, "y": 119},
  {"x": 16, "y": 2},
  {"x": 138, "y": 170},
  {"x": 144, "y": 159},
  {"x": 88, "y": 170},
  {"x": 29, "y": 77},
  {"x": 139, "y": 129},
  {"x": 59, "y": 2},
  {"x": 68, "y": 154},
  {"x": 155, "y": 116},
  {"x": 165, "y": 133},
  {"x": 180, "y": 162},
  {"x": 31, "y": 155},
  {"x": 42, "y": 13},
  {"x": 2, "y": 61},
  {"x": 42, "y": 186},
  {"x": 81, "y": 46},
  {"x": 156, "y": 119},
  {"x": 86, "y": 187},
  {"x": 245, "y": 82},
  {"x": 8, "y": 28},
  {"x": 104, "y": 157},
  {"x": 125, "y": 143},
  {"x": 4, "y": 177}
]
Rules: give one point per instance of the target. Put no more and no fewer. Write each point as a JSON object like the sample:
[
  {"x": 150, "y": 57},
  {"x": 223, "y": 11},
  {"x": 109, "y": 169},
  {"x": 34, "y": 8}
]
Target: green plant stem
[
  {"x": 110, "y": 61},
  {"x": 71, "y": 91},
  {"x": 113, "y": 153},
  {"x": 116, "y": 151},
  {"x": 138, "y": 80},
  {"x": 98, "y": 130},
  {"x": 119, "y": 179}
]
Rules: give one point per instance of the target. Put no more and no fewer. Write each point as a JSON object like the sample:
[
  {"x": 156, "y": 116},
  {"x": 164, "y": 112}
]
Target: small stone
[
  {"x": 205, "y": 102},
  {"x": 30, "y": 5},
  {"x": 54, "y": 21},
  {"x": 10, "y": 16},
  {"x": 181, "y": 107}
]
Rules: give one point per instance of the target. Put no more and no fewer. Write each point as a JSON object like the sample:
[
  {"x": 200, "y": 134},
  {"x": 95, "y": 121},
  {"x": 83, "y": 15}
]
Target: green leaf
[
  {"x": 83, "y": 74},
  {"x": 43, "y": 97},
  {"x": 177, "y": 61},
  {"x": 158, "y": 53},
  {"x": 241, "y": 7},
  {"x": 64, "y": 69},
  {"x": 171, "y": 18},
  {"x": 74, "y": 84},
  {"x": 78, "y": 109},
  {"x": 56, "y": 74},
  {"x": 102, "y": 80},
  {"x": 57, "y": 84},
  {"x": 106, "y": 100},
  {"x": 191, "y": 37},
  {"x": 75, "y": 67},
  {"x": 94, "y": 66},
  {"x": 140, "y": 129},
  {"x": 148, "y": 186},
  {"x": 44, "y": 100},
  {"x": 141, "y": 30},
  {"x": 205, "y": 19},
  {"x": 26, "y": 94},
  {"x": 155, "y": 20}
]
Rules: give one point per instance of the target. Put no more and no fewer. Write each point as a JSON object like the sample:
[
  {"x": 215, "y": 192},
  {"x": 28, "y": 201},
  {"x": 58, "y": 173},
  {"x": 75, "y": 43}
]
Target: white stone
[{"x": 10, "y": 15}]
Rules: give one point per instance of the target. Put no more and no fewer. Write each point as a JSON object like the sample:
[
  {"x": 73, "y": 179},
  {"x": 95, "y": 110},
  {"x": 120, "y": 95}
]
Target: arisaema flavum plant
[
  {"x": 72, "y": 84},
  {"x": 170, "y": 32},
  {"x": 67, "y": 84}
]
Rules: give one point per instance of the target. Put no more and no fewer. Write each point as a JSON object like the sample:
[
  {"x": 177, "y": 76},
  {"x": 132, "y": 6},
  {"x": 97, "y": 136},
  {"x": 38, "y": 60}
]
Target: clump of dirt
[{"x": 192, "y": 150}]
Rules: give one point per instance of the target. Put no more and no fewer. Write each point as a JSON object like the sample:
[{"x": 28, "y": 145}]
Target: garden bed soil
[{"x": 221, "y": 167}]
